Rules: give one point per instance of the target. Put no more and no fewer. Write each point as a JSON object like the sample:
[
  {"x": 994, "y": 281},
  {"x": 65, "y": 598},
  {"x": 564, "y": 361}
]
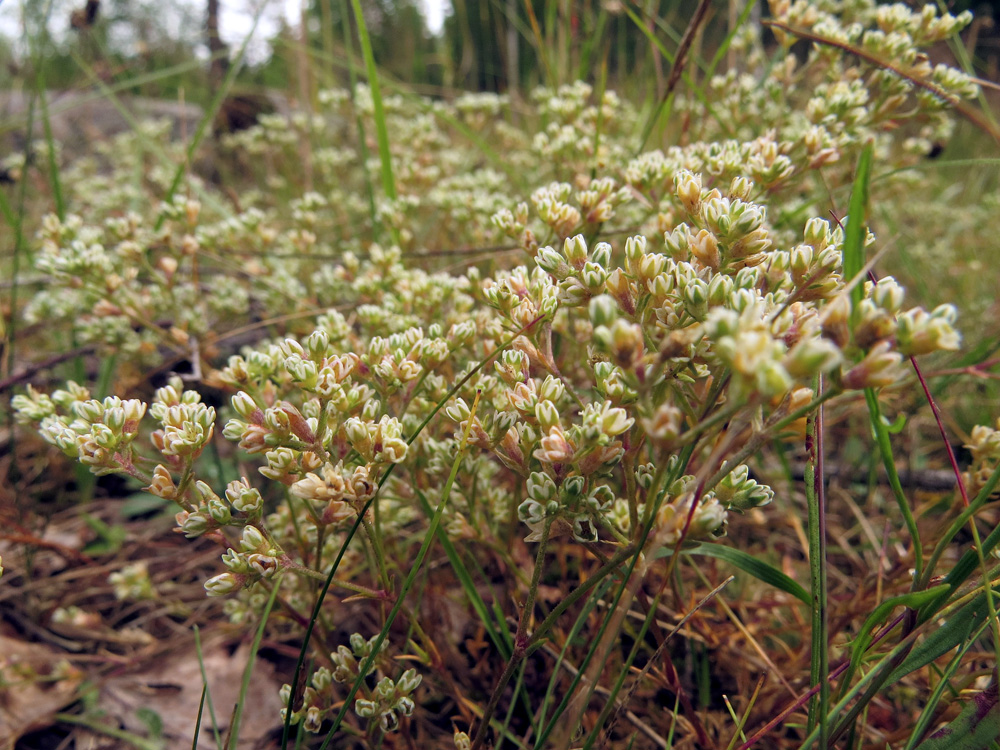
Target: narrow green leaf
[
  {"x": 945, "y": 637},
  {"x": 197, "y": 721},
  {"x": 251, "y": 660},
  {"x": 418, "y": 562},
  {"x": 381, "y": 133},
  {"x": 885, "y": 450},
  {"x": 970, "y": 559},
  {"x": 206, "y": 694},
  {"x": 856, "y": 229},
  {"x": 914, "y": 600},
  {"x": 755, "y": 567},
  {"x": 976, "y": 728},
  {"x": 929, "y": 712},
  {"x": 500, "y": 636}
]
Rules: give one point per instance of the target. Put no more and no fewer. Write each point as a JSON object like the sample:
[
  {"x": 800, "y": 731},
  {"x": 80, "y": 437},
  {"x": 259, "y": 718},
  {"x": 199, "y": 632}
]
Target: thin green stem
[
  {"x": 816, "y": 503},
  {"x": 521, "y": 639}
]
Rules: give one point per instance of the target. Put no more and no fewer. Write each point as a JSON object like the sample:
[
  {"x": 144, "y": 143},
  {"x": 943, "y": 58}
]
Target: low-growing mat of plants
[{"x": 560, "y": 420}]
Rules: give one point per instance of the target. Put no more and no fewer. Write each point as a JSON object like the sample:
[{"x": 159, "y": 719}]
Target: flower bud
[{"x": 223, "y": 584}]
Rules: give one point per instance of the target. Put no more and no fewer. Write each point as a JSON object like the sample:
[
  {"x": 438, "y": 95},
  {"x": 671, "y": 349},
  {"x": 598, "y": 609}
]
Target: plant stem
[{"x": 521, "y": 639}]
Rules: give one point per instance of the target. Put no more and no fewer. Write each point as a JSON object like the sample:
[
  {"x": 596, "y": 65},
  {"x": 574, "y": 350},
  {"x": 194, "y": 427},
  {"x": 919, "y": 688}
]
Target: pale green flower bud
[
  {"x": 193, "y": 524},
  {"x": 252, "y": 539},
  {"x": 614, "y": 421},
  {"x": 741, "y": 187},
  {"x": 551, "y": 389},
  {"x": 33, "y": 407},
  {"x": 772, "y": 379},
  {"x": 603, "y": 310},
  {"x": 695, "y": 297},
  {"x": 881, "y": 367},
  {"x": 575, "y": 251},
  {"x": 219, "y": 512},
  {"x": 541, "y": 488},
  {"x": 89, "y": 411},
  {"x": 601, "y": 255},
  {"x": 812, "y": 356},
  {"x": 601, "y": 497},
  {"x": 408, "y": 681},
  {"x": 318, "y": 344},
  {"x": 461, "y": 334},
  {"x": 573, "y": 486},
  {"x": 719, "y": 290},
  {"x": 357, "y": 433},
  {"x": 649, "y": 267},
  {"x": 887, "y": 294},
  {"x": 705, "y": 247},
  {"x": 104, "y": 436},
  {"x": 302, "y": 370},
  {"x": 223, "y": 584},
  {"x": 530, "y": 512},
  {"x": 919, "y": 333},
  {"x": 162, "y": 484},
  {"x": 243, "y": 497},
  {"x": 552, "y": 261},
  {"x": 678, "y": 242},
  {"x": 291, "y": 346},
  {"x": 593, "y": 277},
  {"x": 457, "y": 411},
  {"x": 393, "y": 451},
  {"x": 547, "y": 414},
  {"x": 687, "y": 188}
]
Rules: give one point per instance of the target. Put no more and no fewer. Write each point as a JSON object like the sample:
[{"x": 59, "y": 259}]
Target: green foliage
[{"x": 590, "y": 392}]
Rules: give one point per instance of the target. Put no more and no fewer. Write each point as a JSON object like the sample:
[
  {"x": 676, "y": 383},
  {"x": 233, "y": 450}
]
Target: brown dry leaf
[
  {"x": 37, "y": 682},
  {"x": 171, "y": 687}
]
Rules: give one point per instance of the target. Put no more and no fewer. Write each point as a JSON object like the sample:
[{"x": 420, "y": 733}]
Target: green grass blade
[
  {"x": 976, "y": 728},
  {"x": 945, "y": 637},
  {"x": 16, "y": 123},
  {"x": 913, "y": 600},
  {"x": 970, "y": 558},
  {"x": 929, "y": 714},
  {"x": 206, "y": 693},
  {"x": 381, "y": 132},
  {"x": 856, "y": 229},
  {"x": 956, "y": 630},
  {"x": 415, "y": 568},
  {"x": 499, "y": 635},
  {"x": 251, "y": 660},
  {"x": 582, "y": 668},
  {"x": 590, "y": 43},
  {"x": 210, "y": 114},
  {"x": 352, "y": 77},
  {"x": 581, "y": 620},
  {"x": 754, "y": 566},
  {"x": 599, "y": 127},
  {"x": 819, "y": 669},
  {"x": 881, "y": 432},
  {"x": 201, "y": 711},
  {"x": 208, "y": 198},
  {"x": 622, "y": 674},
  {"x": 724, "y": 47},
  {"x": 57, "y": 192}
]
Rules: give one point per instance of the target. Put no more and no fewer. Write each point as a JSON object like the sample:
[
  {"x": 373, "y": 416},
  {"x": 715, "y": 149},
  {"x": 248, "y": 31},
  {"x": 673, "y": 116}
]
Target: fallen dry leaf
[
  {"x": 37, "y": 682},
  {"x": 171, "y": 687}
]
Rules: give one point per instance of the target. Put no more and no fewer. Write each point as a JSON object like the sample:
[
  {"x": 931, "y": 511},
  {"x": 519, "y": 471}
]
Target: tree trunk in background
[
  {"x": 219, "y": 64},
  {"x": 512, "y": 53}
]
